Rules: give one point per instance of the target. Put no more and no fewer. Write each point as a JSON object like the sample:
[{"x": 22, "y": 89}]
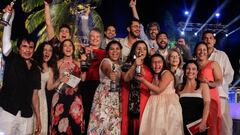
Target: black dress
[{"x": 192, "y": 109}]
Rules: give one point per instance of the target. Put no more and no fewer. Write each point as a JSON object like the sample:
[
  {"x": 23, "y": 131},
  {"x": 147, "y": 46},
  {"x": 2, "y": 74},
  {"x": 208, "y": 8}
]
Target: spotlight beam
[
  {"x": 212, "y": 16},
  {"x": 190, "y": 15},
  {"x": 233, "y": 31},
  {"x": 230, "y": 23}
]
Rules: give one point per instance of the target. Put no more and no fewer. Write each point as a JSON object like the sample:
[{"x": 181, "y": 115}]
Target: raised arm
[
  {"x": 7, "y": 45},
  {"x": 50, "y": 29}
]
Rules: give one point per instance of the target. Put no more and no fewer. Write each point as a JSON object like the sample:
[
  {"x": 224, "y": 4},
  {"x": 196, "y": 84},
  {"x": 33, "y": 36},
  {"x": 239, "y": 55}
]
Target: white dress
[
  {"x": 43, "y": 103},
  {"x": 162, "y": 114}
]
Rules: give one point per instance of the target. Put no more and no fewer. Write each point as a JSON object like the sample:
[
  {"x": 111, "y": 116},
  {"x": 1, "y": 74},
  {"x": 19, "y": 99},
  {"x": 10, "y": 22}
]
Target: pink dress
[
  {"x": 214, "y": 118},
  {"x": 144, "y": 95},
  {"x": 162, "y": 114}
]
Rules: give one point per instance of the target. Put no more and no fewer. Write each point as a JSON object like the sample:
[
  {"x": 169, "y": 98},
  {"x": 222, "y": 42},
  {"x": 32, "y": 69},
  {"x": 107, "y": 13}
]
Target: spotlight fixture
[
  {"x": 217, "y": 15},
  {"x": 195, "y": 34},
  {"x": 186, "y": 12},
  {"x": 182, "y": 33}
]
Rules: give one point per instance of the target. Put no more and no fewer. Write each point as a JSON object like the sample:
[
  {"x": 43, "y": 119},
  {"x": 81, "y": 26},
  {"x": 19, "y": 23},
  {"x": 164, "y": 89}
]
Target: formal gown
[
  {"x": 162, "y": 114},
  {"x": 105, "y": 113},
  {"x": 67, "y": 109},
  {"x": 132, "y": 128},
  {"x": 192, "y": 108},
  {"x": 214, "y": 117},
  {"x": 43, "y": 103}
]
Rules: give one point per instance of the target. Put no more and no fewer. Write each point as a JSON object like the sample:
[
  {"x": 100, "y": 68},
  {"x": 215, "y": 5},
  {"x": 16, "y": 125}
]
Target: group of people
[{"x": 128, "y": 86}]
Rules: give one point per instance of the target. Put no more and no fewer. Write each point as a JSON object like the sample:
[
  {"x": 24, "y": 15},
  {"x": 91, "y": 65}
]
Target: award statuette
[{"x": 5, "y": 17}]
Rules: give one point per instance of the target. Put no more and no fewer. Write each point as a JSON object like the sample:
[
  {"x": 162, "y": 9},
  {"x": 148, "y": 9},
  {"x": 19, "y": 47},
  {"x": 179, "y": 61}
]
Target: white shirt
[{"x": 227, "y": 71}]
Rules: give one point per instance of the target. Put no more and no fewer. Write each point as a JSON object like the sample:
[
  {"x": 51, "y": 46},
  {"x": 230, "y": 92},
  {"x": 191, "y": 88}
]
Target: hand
[
  {"x": 88, "y": 50},
  {"x": 46, "y": 3},
  {"x": 83, "y": 57},
  {"x": 38, "y": 127},
  {"x": 152, "y": 51},
  {"x": 113, "y": 76},
  {"x": 139, "y": 78},
  {"x": 64, "y": 78},
  {"x": 202, "y": 127},
  {"x": 8, "y": 9},
  {"x": 132, "y": 3}
]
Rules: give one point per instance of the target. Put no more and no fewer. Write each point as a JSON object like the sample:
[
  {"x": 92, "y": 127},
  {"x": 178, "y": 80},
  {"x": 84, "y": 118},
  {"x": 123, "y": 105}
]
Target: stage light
[
  {"x": 190, "y": 14},
  {"x": 195, "y": 34},
  {"x": 230, "y": 33},
  {"x": 182, "y": 33},
  {"x": 186, "y": 12},
  {"x": 212, "y": 16},
  {"x": 226, "y": 35},
  {"x": 214, "y": 34},
  {"x": 230, "y": 23},
  {"x": 217, "y": 15}
]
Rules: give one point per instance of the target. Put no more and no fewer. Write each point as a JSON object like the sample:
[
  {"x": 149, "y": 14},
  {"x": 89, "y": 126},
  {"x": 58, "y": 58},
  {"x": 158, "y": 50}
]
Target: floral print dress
[
  {"x": 105, "y": 112},
  {"x": 67, "y": 109}
]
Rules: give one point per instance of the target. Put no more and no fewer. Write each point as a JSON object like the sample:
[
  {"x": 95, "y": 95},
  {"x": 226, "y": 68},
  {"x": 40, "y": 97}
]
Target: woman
[
  {"x": 67, "y": 109},
  {"x": 134, "y": 94},
  {"x": 46, "y": 59},
  {"x": 105, "y": 113},
  {"x": 163, "y": 112},
  {"x": 194, "y": 98},
  {"x": 210, "y": 73},
  {"x": 175, "y": 65}
]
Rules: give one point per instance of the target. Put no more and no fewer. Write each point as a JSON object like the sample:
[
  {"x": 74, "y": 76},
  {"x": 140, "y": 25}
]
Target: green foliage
[
  {"x": 29, "y": 5},
  {"x": 34, "y": 20},
  {"x": 60, "y": 14}
]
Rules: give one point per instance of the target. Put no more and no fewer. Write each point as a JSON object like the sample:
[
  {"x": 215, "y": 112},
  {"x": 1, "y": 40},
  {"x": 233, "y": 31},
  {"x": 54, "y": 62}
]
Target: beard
[
  {"x": 134, "y": 35},
  {"x": 161, "y": 47}
]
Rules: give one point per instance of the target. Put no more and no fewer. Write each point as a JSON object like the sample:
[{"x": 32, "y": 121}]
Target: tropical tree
[{"x": 62, "y": 12}]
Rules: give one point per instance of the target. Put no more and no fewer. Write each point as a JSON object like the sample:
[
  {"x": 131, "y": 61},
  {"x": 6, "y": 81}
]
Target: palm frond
[
  {"x": 34, "y": 20},
  {"x": 97, "y": 21},
  {"x": 43, "y": 30},
  {"x": 29, "y": 5},
  {"x": 41, "y": 39}
]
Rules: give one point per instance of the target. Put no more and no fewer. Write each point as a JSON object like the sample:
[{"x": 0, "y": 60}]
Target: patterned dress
[
  {"x": 105, "y": 113},
  {"x": 67, "y": 109}
]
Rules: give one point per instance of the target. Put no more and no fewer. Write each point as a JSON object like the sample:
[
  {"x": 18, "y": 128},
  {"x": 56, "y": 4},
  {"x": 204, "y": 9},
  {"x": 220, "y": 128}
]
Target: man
[
  {"x": 109, "y": 35},
  {"x": 21, "y": 83},
  {"x": 184, "y": 49},
  {"x": 162, "y": 41},
  {"x": 227, "y": 72},
  {"x": 133, "y": 29},
  {"x": 152, "y": 29}
]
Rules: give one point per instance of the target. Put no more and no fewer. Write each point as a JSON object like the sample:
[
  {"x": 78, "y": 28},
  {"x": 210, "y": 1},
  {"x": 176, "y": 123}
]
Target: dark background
[{"x": 167, "y": 13}]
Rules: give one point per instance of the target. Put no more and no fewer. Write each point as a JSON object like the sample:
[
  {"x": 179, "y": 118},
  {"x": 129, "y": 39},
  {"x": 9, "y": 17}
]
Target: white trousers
[
  {"x": 15, "y": 125},
  {"x": 227, "y": 122}
]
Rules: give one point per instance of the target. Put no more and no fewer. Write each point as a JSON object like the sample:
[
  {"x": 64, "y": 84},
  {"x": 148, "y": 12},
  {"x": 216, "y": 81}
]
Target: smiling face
[
  {"x": 174, "y": 59},
  {"x": 201, "y": 52},
  {"x": 162, "y": 41},
  {"x": 26, "y": 49},
  {"x": 153, "y": 31},
  {"x": 47, "y": 52},
  {"x": 68, "y": 48},
  {"x": 95, "y": 38},
  {"x": 110, "y": 32},
  {"x": 141, "y": 50},
  {"x": 191, "y": 71},
  {"x": 114, "y": 52},
  {"x": 64, "y": 33},
  {"x": 157, "y": 64},
  {"x": 134, "y": 29}
]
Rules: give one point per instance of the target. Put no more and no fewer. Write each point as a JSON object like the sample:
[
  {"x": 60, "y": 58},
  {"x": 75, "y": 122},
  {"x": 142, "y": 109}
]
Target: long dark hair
[
  {"x": 61, "y": 54},
  {"x": 184, "y": 76},
  {"x": 52, "y": 63},
  {"x": 130, "y": 58}
]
